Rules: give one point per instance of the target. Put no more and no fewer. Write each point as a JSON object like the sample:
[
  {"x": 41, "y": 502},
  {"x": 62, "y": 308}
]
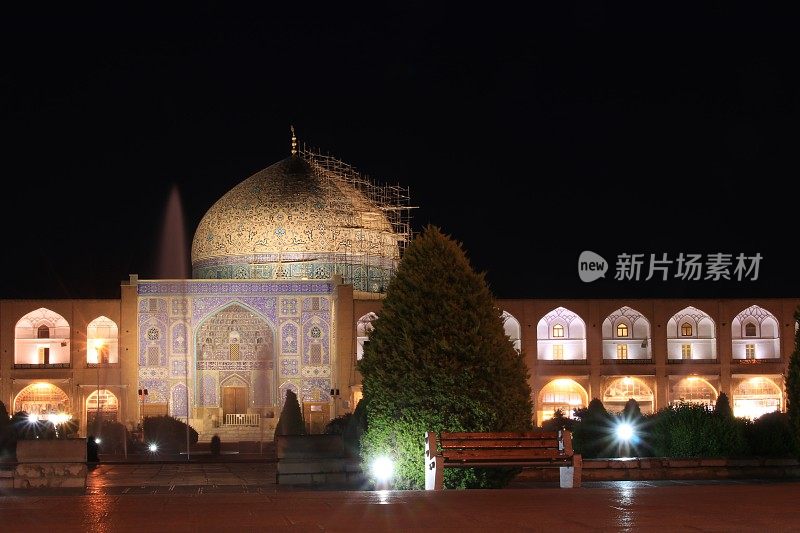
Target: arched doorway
[
  {"x": 235, "y": 350},
  {"x": 618, "y": 391},
  {"x": 43, "y": 400},
  {"x": 756, "y": 396},
  {"x": 693, "y": 389},
  {"x": 102, "y": 405},
  {"x": 564, "y": 394}
]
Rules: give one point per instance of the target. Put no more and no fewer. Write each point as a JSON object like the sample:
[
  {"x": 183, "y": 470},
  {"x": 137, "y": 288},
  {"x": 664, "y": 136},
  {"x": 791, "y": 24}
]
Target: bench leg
[
  {"x": 434, "y": 473},
  {"x": 570, "y": 476}
]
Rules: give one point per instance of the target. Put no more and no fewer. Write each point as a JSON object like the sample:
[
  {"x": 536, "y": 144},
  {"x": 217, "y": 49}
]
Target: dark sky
[{"x": 528, "y": 136}]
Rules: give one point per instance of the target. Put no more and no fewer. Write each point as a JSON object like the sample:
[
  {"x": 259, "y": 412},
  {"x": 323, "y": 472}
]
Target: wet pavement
[{"x": 244, "y": 497}]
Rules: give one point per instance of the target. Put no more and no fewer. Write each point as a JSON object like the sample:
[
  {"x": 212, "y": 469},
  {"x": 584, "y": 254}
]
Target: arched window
[
  {"x": 558, "y": 331},
  {"x": 622, "y": 351},
  {"x": 42, "y": 337},
  {"x": 102, "y": 341},
  {"x": 750, "y": 330},
  {"x": 363, "y": 329},
  {"x": 512, "y": 329},
  {"x": 686, "y": 329},
  {"x": 622, "y": 330}
]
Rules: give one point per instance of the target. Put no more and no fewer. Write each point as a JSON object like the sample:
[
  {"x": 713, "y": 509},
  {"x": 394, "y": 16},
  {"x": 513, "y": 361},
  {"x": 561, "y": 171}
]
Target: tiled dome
[{"x": 293, "y": 220}]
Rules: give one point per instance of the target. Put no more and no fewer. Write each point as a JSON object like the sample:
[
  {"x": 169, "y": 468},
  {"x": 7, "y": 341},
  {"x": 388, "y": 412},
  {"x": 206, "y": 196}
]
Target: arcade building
[{"x": 288, "y": 271}]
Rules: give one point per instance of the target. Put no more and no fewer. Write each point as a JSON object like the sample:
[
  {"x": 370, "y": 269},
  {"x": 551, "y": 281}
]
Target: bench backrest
[{"x": 517, "y": 446}]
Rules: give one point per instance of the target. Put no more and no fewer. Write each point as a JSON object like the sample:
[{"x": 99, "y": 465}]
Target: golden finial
[{"x": 294, "y": 141}]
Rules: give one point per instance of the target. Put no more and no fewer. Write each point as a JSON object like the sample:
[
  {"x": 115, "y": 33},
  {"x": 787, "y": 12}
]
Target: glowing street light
[
  {"x": 624, "y": 431},
  {"x": 383, "y": 470},
  {"x": 153, "y": 447}
]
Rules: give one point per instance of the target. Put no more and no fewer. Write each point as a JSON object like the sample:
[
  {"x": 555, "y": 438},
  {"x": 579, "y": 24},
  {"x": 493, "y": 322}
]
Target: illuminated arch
[
  {"x": 234, "y": 332},
  {"x": 363, "y": 329},
  {"x": 551, "y": 346},
  {"x": 106, "y": 409},
  {"x": 513, "y": 330},
  {"x": 102, "y": 341},
  {"x": 31, "y": 347},
  {"x": 691, "y": 334},
  {"x": 627, "y": 331},
  {"x": 756, "y": 396},
  {"x": 755, "y": 334},
  {"x": 618, "y": 391},
  {"x": 42, "y": 400},
  {"x": 693, "y": 389},
  {"x": 563, "y": 393}
]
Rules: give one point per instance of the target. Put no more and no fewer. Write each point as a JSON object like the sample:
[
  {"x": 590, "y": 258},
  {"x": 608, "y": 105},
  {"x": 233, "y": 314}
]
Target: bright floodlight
[
  {"x": 32, "y": 419},
  {"x": 97, "y": 440},
  {"x": 624, "y": 431},
  {"x": 153, "y": 447},
  {"x": 383, "y": 468}
]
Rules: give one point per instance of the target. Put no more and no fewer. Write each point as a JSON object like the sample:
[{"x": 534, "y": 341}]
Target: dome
[{"x": 296, "y": 219}]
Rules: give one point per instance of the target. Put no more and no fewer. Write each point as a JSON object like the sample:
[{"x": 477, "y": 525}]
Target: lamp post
[{"x": 98, "y": 347}]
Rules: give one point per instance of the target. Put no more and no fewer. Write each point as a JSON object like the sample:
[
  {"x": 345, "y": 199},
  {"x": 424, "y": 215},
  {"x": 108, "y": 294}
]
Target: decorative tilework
[
  {"x": 178, "y": 406},
  {"x": 147, "y": 324},
  {"x": 288, "y": 306},
  {"x": 208, "y": 287},
  {"x": 180, "y": 307},
  {"x": 231, "y": 365},
  {"x": 289, "y": 338},
  {"x": 316, "y": 303},
  {"x": 156, "y": 390},
  {"x": 315, "y": 342},
  {"x": 156, "y": 372},
  {"x": 179, "y": 343},
  {"x": 208, "y": 392},
  {"x": 289, "y": 366},
  {"x": 321, "y": 384},
  {"x": 178, "y": 368},
  {"x": 202, "y": 307},
  {"x": 234, "y": 379},
  {"x": 153, "y": 305},
  {"x": 316, "y": 371}
]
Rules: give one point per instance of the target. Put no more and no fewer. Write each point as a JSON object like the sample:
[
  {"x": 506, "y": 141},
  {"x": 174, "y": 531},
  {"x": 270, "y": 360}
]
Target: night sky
[{"x": 527, "y": 136}]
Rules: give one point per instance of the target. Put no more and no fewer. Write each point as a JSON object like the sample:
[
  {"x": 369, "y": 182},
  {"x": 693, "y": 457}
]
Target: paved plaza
[{"x": 244, "y": 497}]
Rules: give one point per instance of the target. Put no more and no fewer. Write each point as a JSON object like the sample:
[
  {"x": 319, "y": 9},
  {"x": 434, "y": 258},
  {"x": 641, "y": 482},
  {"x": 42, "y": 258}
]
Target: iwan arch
[{"x": 289, "y": 269}]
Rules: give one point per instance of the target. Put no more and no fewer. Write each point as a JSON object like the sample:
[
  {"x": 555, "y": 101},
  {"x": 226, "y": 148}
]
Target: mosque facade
[{"x": 289, "y": 269}]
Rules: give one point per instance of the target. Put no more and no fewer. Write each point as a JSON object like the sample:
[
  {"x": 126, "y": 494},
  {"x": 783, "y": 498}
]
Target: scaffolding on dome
[{"x": 372, "y": 245}]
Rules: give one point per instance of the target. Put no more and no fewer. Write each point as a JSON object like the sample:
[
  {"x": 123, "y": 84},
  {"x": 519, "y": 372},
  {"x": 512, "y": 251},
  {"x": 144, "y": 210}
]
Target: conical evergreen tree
[
  {"x": 793, "y": 389},
  {"x": 723, "y": 406},
  {"x": 291, "y": 420},
  {"x": 439, "y": 360}
]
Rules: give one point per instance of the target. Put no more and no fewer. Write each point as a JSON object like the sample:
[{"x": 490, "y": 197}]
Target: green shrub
[
  {"x": 113, "y": 436},
  {"x": 770, "y": 435},
  {"x": 355, "y": 428},
  {"x": 290, "y": 421},
  {"x": 691, "y": 430},
  {"x": 792, "y": 379},
  {"x": 8, "y": 436},
  {"x": 439, "y": 360},
  {"x": 338, "y": 425},
  {"x": 559, "y": 421},
  {"x": 593, "y": 433},
  {"x": 168, "y": 433}
]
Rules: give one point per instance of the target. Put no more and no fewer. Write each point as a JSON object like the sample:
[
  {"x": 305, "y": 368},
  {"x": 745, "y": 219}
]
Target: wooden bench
[{"x": 548, "y": 449}]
